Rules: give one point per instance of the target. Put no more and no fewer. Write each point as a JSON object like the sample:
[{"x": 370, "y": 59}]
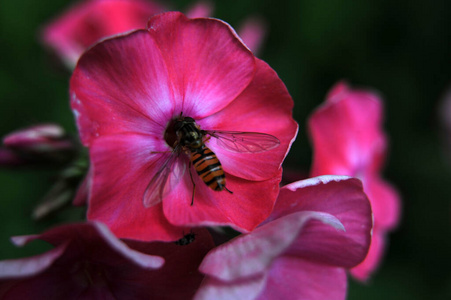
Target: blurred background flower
[{"x": 399, "y": 48}]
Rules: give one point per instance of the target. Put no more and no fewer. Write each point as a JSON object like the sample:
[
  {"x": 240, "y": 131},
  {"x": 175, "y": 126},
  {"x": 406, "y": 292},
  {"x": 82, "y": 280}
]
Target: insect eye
[{"x": 196, "y": 144}]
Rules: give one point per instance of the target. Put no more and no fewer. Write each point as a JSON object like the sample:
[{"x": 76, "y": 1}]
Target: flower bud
[{"x": 43, "y": 143}]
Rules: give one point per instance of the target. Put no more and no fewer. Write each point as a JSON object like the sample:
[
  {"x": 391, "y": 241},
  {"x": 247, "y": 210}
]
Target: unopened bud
[{"x": 44, "y": 143}]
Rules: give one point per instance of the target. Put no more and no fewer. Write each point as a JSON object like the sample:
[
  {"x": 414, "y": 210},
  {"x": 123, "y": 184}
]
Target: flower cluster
[{"x": 187, "y": 130}]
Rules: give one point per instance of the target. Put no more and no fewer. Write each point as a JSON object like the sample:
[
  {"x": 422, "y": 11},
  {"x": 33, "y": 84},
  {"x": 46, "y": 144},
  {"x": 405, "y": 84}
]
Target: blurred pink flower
[
  {"x": 126, "y": 93},
  {"x": 319, "y": 228},
  {"x": 89, "y": 262},
  {"x": 348, "y": 139},
  {"x": 253, "y": 32},
  {"x": 89, "y": 21},
  {"x": 201, "y": 9}
]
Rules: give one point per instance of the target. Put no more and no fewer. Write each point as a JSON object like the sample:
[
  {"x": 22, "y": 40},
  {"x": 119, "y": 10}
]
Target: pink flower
[
  {"x": 128, "y": 94},
  {"x": 319, "y": 227},
  {"x": 92, "y": 20},
  {"x": 89, "y": 262},
  {"x": 348, "y": 139}
]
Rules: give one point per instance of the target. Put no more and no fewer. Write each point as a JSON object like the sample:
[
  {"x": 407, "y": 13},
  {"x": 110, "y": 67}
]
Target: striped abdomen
[{"x": 208, "y": 167}]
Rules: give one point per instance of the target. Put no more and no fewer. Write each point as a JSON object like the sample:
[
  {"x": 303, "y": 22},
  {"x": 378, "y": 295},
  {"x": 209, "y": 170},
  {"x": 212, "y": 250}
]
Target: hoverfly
[{"x": 190, "y": 139}]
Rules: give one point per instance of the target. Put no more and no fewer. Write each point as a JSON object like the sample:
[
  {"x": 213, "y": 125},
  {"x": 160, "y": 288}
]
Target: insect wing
[
  {"x": 245, "y": 142},
  {"x": 161, "y": 183}
]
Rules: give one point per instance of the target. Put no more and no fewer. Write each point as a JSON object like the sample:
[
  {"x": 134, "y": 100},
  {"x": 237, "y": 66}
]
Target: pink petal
[
  {"x": 18, "y": 268},
  {"x": 340, "y": 197},
  {"x": 253, "y": 32},
  {"x": 346, "y": 134},
  {"x": 137, "y": 258},
  {"x": 122, "y": 85},
  {"x": 243, "y": 289},
  {"x": 89, "y": 232},
  {"x": 253, "y": 254},
  {"x": 375, "y": 254},
  {"x": 385, "y": 202},
  {"x": 250, "y": 203},
  {"x": 95, "y": 264},
  {"x": 122, "y": 167},
  {"x": 177, "y": 279},
  {"x": 294, "y": 278},
  {"x": 10, "y": 158},
  {"x": 205, "y": 77},
  {"x": 86, "y": 23},
  {"x": 49, "y": 285},
  {"x": 201, "y": 9},
  {"x": 34, "y": 134},
  {"x": 338, "y": 91},
  {"x": 266, "y": 107},
  {"x": 82, "y": 194}
]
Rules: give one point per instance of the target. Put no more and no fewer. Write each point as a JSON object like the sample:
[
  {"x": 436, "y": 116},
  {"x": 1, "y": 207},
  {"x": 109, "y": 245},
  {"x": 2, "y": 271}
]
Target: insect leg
[
  {"x": 228, "y": 190},
  {"x": 192, "y": 180},
  {"x": 168, "y": 151}
]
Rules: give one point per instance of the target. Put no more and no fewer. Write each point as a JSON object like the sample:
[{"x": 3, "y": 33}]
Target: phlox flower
[
  {"x": 126, "y": 94},
  {"x": 319, "y": 228},
  {"x": 348, "y": 139},
  {"x": 89, "y": 262}
]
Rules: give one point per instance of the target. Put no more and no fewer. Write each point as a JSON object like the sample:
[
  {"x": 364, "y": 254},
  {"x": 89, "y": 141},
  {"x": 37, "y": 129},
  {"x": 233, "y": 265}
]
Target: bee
[{"x": 187, "y": 137}]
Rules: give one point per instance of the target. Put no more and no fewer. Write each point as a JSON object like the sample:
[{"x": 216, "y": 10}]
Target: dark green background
[{"x": 400, "y": 48}]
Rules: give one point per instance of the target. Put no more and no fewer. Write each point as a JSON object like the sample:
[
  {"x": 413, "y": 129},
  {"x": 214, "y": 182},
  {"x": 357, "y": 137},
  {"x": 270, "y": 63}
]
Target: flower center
[
  {"x": 183, "y": 131},
  {"x": 170, "y": 134}
]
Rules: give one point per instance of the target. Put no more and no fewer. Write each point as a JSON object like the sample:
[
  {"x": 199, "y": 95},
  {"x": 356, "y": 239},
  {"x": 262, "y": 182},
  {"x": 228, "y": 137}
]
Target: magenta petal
[
  {"x": 205, "y": 77},
  {"x": 17, "y": 268},
  {"x": 243, "y": 289},
  {"x": 250, "y": 203},
  {"x": 253, "y": 32},
  {"x": 252, "y": 254},
  {"x": 363, "y": 270},
  {"x": 82, "y": 194},
  {"x": 34, "y": 135},
  {"x": 92, "y": 231},
  {"x": 266, "y": 107},
  {"x": 87, "y": 22},
  {"x": 341, "y": 197},
  {"x": 294, "y": 278},
  {"x": 177, "y": 279},
  {"x": 97, "y": 265},
  {"x": 346, "y": 134},
  {"x": 385, "y": 202},
  {"x": 121, "y": 85},
  {"x": 138, "y": 258},
  {"x": 122, "y": 167},
  {"x": 201, "y": 9}
]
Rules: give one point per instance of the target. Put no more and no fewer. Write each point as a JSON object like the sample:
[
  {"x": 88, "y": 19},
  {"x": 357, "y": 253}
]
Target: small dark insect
[{"x": 187, "y": 239}]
